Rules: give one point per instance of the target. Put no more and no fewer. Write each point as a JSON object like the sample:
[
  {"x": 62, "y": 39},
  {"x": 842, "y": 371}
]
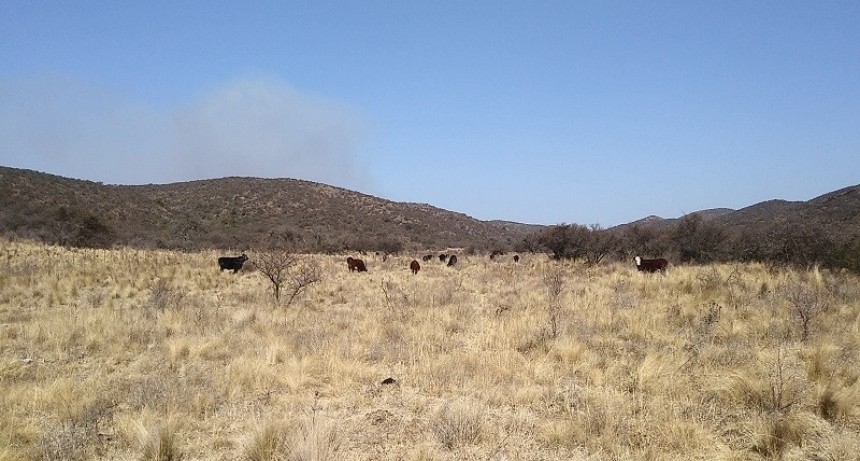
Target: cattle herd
[{"x": 235, "y": 263}]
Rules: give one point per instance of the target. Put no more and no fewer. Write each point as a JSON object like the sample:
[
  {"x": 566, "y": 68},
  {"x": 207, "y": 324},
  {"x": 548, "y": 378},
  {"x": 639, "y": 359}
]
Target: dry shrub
[
  {"x": 458, "y": 424},
  {"x": 158, "y": 442},
  {"x": 163, "y": 294},
  {"x": 317, "y": 439},
  {"x": 776, "y": 433},
  {"x": 268, "y": 443}
]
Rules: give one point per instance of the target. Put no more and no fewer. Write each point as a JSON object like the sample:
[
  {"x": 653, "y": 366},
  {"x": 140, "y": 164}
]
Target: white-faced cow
[
  {"x": 651, "y": 265},
  {"x": 232, "y": 263}
]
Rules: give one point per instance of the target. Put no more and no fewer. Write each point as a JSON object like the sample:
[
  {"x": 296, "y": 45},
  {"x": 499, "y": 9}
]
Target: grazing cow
[
  {"x": 414, "y": 266},
  {"x": 359, "y": 266},
  {"x": 355, "y": 265},
  {"x": 427, "y": 258},
  {"x": 452, "y": 260},
  {"x": 232, "y": 263},
  {"x": 443, "y": 257},
  {"x": 651, "y": 265},
  {"x": 516, "y": 258}
]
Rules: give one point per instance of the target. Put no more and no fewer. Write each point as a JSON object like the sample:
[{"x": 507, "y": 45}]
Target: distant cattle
[
  {"x": 355, "y": 265},
  {"x": 516, "y": 258},
  {"x": 414, "y": 266},
  {"x": 443, "y": 257},
  {"x": 495, "y": 253},
  {"x": 651, "y": 265},
  {"x": 232, "y": 263},
  {"x": 427, "y": 258},
  {"x": 452, "y": 260}
]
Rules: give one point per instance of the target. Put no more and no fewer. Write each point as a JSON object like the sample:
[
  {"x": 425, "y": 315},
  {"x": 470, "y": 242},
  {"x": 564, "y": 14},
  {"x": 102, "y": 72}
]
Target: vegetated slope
[
  {"x": 836, "y": 213},
  {"x": 236, "y": 213}
]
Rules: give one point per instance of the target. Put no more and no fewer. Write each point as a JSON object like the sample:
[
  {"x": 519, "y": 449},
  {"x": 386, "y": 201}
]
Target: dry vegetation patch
[{"x": 126, "y": 354}]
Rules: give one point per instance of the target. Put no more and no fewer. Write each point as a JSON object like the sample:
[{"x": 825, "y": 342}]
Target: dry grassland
[{"x": 136, "y": 355}]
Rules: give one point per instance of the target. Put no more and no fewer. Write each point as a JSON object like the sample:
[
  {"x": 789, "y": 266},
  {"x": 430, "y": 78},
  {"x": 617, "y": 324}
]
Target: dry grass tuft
[{"x": 458, "y": 424}]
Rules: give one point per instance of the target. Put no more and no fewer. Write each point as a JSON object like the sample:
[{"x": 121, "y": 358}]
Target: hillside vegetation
[
  {"x": 232, "y": 213},
  {"x": 130, "y": 354}
]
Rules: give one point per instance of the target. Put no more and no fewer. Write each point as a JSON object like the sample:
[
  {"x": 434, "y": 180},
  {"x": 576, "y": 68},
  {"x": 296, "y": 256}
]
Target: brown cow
[
  {"x": 452, "y": 260},
  {"x": 651, "y": 265},
  {"x": 427, "y": 258},
  {"x": 356, "y": 265},
  {"x": 414, "y": 266}
]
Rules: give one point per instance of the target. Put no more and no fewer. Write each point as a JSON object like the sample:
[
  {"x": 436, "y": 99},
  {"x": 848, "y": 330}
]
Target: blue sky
[{"x": 540, "y": 112}]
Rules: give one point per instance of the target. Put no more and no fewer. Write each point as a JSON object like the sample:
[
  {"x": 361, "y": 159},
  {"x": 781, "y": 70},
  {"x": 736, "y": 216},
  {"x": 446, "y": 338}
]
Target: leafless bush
[
  {"x": 554, "y": 282},
  {"x": 807, "y": 304},
  {"x": 300, "y": 277},
  {"x": 275, "y": 264},
  {"x": 317, "y": 440},
  {"x": 287, "y": 272}
]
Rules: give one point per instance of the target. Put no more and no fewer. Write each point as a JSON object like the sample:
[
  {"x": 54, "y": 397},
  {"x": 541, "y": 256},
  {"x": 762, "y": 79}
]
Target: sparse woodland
[{"x": 157, "y": 355}]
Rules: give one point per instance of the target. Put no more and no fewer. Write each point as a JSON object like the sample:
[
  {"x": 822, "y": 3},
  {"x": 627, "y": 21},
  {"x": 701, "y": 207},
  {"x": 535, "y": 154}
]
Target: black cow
[
  {"x": 232, "y": 263},
  {"x": 651, "y": 265},
  {"x": 414, "y": 266},
  {"x": 516, "y": 258},
  {"x": 443, "y": 257},
  {"x": 427, "y": 258},
  {"x": 452, "y": 260}
]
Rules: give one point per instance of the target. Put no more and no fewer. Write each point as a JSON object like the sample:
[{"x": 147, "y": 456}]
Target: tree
[
  {"x": 288, "y": 271},
  {"x": 599, "y": 243},
  {"x": 697, "y": 240},
  {"x": 565, "y": 241}
]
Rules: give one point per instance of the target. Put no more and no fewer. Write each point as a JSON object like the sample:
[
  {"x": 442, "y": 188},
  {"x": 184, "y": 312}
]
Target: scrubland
[{"x": 146, "y": 355}]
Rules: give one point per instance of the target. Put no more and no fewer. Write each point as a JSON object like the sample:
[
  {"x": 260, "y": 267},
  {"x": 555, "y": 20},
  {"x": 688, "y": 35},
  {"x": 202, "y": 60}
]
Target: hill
[
  {"x": 235, "y": 213},
  {"x": 835, "y": 213}
]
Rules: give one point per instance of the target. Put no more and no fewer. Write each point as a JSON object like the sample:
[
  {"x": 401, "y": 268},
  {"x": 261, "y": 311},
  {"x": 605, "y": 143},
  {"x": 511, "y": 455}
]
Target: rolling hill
[
  {"x": 835, "y": 213},
  {"x": 242, "y": 213},
  {"x": 234, "y": 213}
]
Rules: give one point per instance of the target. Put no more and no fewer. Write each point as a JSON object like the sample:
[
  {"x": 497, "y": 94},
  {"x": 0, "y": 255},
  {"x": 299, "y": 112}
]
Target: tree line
[{"x": 694, "y": 240}]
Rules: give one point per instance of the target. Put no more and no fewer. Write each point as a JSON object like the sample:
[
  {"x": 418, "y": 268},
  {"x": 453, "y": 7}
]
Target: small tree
[
  {"x": 286, "y": 271},
  {"x": 599, "y": 243},
  {"x": 275, "y": 264},
  {"x": 566, "y": 241}
]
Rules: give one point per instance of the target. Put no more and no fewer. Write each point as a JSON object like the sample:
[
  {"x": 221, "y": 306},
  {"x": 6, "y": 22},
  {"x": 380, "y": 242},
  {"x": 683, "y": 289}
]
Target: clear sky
[{"x": 541, "y": 112}]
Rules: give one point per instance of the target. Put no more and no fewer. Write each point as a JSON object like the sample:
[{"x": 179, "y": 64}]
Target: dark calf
[
  {"x": 414, "y": 266},
  {"x": 452, "y": 260}
]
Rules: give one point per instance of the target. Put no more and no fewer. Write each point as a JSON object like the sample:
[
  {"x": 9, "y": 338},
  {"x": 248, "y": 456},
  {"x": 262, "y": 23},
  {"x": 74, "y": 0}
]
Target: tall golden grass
[{"x": 126, "y": 354}]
